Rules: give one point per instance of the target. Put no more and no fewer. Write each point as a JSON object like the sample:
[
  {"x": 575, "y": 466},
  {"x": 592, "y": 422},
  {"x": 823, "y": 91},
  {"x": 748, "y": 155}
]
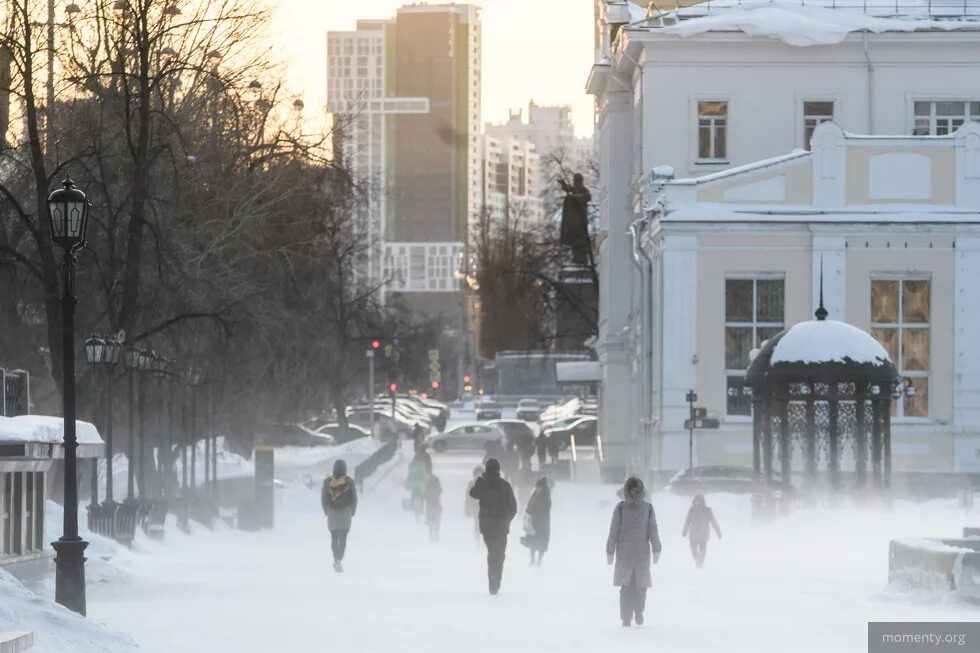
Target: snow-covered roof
[
  {"x": 828, "y": 341},
  {"x": 44, "y": 429},
  {"x": 814, "y": 22},
  {"x": 821, "y": 349}
]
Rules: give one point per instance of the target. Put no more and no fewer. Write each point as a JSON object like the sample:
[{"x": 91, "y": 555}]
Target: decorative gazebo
[{"x": 821, "y": 397}]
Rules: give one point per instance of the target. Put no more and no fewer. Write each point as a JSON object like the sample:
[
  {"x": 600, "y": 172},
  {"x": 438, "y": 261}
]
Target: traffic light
[
  {"x": 393, "y": 388},
  {"x": 467, "y": 388},
  {"x": 466, "y": 378},
  {"x": 435, "y": 385},
  {"x": 375, "y": 344}
]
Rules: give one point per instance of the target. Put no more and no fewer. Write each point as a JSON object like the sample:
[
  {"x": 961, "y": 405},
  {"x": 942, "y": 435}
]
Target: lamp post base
[{"x": 69, "y": 584}]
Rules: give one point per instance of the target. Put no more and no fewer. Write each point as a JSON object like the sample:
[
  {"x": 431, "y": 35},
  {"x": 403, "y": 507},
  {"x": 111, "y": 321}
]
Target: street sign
[
  {"x": 691, "y": 397},
  {"x": 700, "y": 412},
  {"x": 703, "y": 423},
  {"x": 433, "y": 355}
]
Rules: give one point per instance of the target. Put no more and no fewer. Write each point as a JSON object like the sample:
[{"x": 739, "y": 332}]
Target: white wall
[{"x": 766, "y": 81}]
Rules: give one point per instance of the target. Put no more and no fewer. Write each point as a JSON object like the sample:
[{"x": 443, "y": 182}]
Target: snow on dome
[
  {"x": 828, "y": 341},
  {"x": 44, "y": 429},
  {"x": 795, "y": 23}
]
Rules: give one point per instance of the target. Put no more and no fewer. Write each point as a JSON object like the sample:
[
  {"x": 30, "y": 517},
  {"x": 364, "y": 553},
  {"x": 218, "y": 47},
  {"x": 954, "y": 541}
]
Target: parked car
[
  {"x": 516, "y": 432},
  {"x": 467, "y": 437},
  {"x": 489, "y": 409},
  {"x": 529, "y": 409},
  {"x": 342, "y": 434},
  {"x": 387, "y": 427},
  {"x": 561, "y": 423},
  {"x": 584, "y": 429},
  {"x": 716, "y": 478}
]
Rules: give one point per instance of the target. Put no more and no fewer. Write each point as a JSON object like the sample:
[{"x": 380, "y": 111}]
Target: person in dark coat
[
  {"x": 554, "y": 447},
  {"x": 541, "y": 444},
  {"x": 433, "y": 506},
  {"x": 697, "y": 528},
  {"x": 338, "y": 498},
  {"x": 633, "y": 536},
  {"x": 497, "y": 509},
  {"x": 471, "y": 507},
  {"x": 539, "y": 512}
]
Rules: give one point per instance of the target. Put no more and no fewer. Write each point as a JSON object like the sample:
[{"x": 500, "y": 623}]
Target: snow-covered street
[{"x": 810, "y": 582}]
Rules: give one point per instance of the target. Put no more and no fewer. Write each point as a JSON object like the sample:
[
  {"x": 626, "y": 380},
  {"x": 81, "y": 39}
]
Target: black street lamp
[
  {"x": 145, "y": 365},
  {"x": 94, "y": 352},
  {"x": 131, "y": 358},
  {"x": 68, "y": 213}
]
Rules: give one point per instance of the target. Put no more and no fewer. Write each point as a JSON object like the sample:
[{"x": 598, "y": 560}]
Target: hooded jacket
[
  {"x": 700, "y": 520},
  {"x": 498, "y": 506},
  {"x": 338, "y": 498},
  {"x": 633, "y": 535}
]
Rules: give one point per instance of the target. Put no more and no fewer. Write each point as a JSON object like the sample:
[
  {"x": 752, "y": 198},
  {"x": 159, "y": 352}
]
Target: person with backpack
[
  {"x": 471, "y": 507},
  {"x": 538, "y": 513},
  {"x": 697, "y": 528},
  {"x": 633, "y": 536},
  {"x": 497, "y": 509},
  {"x": 338, "y": 499},
  {"x": 433, "y": 506}
]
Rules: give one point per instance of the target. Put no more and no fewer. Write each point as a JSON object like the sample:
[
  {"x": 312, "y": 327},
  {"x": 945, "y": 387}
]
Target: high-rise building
[
  {"x": 411, "y": 86},
  {"x": 559, "y": 152},
  {"x": 434, "y": 158},
  {"x": 511, "y": 180}
]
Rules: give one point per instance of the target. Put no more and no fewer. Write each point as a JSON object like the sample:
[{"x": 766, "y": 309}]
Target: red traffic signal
[
  {"x": 466, "y": 378},
  {"x": 435, "y": 385},
  {"x": 375, "y": 344},
  {"x": 393, "y": 387}
]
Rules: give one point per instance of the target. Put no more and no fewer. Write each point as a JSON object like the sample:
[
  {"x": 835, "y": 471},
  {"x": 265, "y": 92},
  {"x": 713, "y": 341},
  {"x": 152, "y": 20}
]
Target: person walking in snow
[
  {"x": 633, "y": 536},
  {"x": 697, "y": 528},
  {"x": 471, "y": 507},
  {"x": 541, "y": 445},
  {"x": 433, "y": 506},
  {"x": 554, "y": 447},
  {"x": 538, "y": 511},
  {"x": 497, "y": 509},
  {"x": 417, "y": 481},
  {"x": 339, "y": 501}
]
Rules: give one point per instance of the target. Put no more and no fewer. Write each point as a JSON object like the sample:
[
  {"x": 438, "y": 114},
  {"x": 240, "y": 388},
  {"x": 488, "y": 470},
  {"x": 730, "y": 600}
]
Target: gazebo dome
[{"x": 822, "y": 350}]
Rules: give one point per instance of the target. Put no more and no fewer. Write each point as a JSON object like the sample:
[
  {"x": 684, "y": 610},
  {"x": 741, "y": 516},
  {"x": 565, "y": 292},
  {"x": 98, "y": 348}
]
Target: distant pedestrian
[
  {"x": 433, "y": 506},
  {"x": 554, "y": 447},
  {"x": 339, "y": 501},
  {"x": 422, "y": 454},
  {"x": 497, "y": 509},
  {"x": 471, "y": 507},
  {"x": 538, "y": 511},
  {"x": 417, "y": 481},
  {"x": 509, "y": 461},
  {"x": 697, "y": 528},
  {"x": 525, "y": 451},
  {"x": 523, "y": 481},
  {"x": 632, "y": 537},
  {"x": 541, "y": 445}
]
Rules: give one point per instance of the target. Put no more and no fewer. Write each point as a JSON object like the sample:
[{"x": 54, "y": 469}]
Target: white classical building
[{"x": 700, "y": 91}]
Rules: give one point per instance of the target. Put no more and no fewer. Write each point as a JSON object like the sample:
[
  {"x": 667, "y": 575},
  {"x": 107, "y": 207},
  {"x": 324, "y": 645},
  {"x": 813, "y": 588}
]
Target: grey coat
[
  {"x": 632, "y": 536},
  {"x": 339, "y": 516}
]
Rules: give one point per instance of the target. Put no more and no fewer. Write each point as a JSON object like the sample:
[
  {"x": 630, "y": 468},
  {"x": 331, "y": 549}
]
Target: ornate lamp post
[
  {"x": 159, "y": 365},
  {"x": 131, "y": 358},
  {"x": 68, "y": 213},
  {"x": 145, "y": 365},
  {"x": 94, "y": 353},
  {"x": 112, "y": 352}
]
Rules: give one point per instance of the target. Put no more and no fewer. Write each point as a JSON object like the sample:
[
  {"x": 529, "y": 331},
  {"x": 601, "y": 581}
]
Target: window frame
[
  {"x": 727, "y": 118},
  {"x": 899, "y": 326},
  {"x": 754, "y": 277},
  {"x": 804, "y": 115},
  {"x": 933, "y": 101}
]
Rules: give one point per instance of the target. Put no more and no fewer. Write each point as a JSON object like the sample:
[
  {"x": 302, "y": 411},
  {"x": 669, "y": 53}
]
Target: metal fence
[{"x": 937, "y": 9}]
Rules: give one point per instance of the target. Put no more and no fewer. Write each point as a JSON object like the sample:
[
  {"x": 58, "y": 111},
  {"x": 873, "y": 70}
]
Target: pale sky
[{"x": 532, "y": 49}]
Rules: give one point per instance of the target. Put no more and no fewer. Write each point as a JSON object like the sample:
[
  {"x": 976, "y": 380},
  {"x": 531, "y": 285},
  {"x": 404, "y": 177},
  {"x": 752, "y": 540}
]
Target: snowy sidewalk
[{"x": 808, "y": 583}]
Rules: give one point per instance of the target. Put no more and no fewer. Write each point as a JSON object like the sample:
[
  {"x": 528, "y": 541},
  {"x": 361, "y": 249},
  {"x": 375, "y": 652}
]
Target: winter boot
[
  {"x": 337, "y": 566},
  {"x": 639, "y": 618}
]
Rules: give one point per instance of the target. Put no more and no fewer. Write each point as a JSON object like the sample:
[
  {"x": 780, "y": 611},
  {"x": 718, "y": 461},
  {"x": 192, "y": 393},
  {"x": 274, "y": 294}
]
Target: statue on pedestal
[{"x": 575, "y": 219}]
